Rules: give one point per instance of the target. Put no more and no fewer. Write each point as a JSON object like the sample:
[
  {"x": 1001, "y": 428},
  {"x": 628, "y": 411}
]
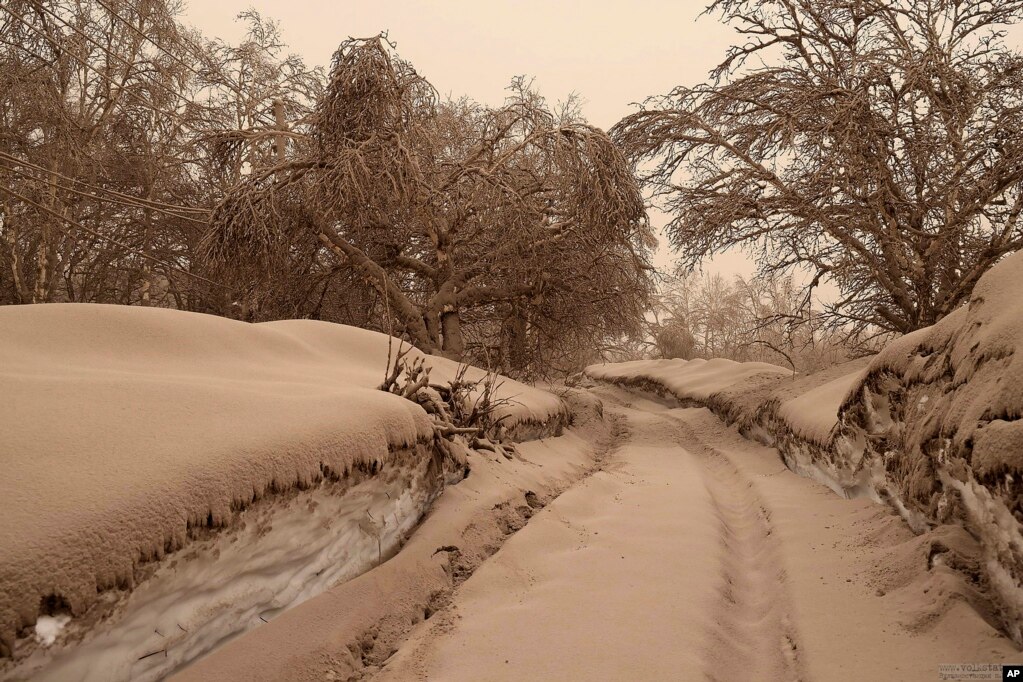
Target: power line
[
  {"x": 145, "y": 37},
  {"x": 155, "y": 204},
  {"x": 86, "y": 65},
  {"x": 120, "y": 202},
  {"x": 143, "y": 203},
  {"x": 116, "y": 242},
  {"x": 116, "y": 56},
  {"x": 151, "y": 41}
]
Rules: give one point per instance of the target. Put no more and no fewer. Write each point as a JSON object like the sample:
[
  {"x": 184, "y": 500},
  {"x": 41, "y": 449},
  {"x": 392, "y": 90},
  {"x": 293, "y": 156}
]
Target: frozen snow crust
[
  {"x": 129, "y": 433},
  {"x": 931, "y": 425}
]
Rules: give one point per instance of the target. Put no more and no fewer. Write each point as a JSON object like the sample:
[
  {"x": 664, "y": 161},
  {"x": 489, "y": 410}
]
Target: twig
[{"x": 161, "y": 651}]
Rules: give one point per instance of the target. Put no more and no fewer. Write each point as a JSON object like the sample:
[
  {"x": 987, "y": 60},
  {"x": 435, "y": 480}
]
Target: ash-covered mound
[
  {"x": 935, "y": 425},
  {"x": 131, "y": 436}
]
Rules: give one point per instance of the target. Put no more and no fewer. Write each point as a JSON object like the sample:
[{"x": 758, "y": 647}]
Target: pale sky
[{"x": 609, "y": 53}]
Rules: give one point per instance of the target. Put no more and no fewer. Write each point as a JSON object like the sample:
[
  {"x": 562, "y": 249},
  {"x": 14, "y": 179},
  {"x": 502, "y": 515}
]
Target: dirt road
[{"x": 695, "y": 554}]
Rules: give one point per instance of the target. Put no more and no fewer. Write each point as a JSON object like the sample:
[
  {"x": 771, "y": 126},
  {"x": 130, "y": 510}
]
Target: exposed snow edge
[
  {"x": 138, "y": 429},
  {"x": 271, "y": 554},
  {"x": 360, "y": 623},
  {"x": 532, "y": 428},
  {"x": 427, "y": 470}
]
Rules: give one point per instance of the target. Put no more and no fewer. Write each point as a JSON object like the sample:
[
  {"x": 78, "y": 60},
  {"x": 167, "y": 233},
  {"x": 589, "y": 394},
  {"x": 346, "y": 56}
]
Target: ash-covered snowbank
[
  {"x": 131, "y": 436},
  {"x": 695, "y": 380},
  {"x": 349, "y": 631},
  {"x": 935, "y": 423},
  {"x": 797, "y": 414},
  {"x": 931, "y": 426},
  {"x": 274, "y": 554}
]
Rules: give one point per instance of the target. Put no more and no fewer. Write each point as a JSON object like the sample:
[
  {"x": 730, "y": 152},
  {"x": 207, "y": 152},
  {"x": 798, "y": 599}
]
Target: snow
[
  {"x": 938, "y": 417},
  {"x": 813, "y": 415},
  {"x": 313, "y": 640},
  {"x": 932, "y": 426},
  {"x": 366, "y": 356},
  {"x": 278, "y": 555},
  {"x": 635, "y": 572},
  {"x": 686, "y": 379},
  {"x": 49, "y": 627},
  {"x": 133, "y": 430},
  {"x": 526, "y": 404}
]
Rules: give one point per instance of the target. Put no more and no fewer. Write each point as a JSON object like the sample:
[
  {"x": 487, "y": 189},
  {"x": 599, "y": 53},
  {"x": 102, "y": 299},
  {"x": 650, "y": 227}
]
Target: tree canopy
[
  {"x": 871, "y": 143},
  {"x": 510, "y": 233},
  {"x": 144, "y": 164}
]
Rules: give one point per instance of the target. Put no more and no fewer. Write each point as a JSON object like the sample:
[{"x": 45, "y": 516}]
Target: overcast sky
[{"x": 610, "y": 53}]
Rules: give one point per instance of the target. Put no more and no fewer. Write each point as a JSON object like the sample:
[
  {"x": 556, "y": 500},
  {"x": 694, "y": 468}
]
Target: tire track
[
  {"x": 749, "y": 631},
  {"x": 750, "y": 634}
]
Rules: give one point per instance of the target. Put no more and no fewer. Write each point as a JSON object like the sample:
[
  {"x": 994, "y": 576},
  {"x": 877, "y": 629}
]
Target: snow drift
[
  {"x": 695, "y": 380},
  {"x": 133, "y": 433}
]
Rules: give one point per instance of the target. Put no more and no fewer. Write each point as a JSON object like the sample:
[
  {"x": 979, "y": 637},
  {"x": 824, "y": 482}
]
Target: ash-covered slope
[
  {"x": 130, "y": 433},
  {"x": 936, "y": 423}
]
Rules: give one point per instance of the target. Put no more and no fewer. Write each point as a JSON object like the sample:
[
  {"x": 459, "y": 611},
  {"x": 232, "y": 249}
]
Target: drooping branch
[{"x": 377, "y": 277}]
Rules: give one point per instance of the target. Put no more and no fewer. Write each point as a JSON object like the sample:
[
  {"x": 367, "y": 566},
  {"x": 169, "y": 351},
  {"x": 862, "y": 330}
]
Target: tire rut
[{"x": 749, "y": 633}]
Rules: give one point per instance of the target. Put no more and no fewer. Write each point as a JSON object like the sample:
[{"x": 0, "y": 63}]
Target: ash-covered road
[{"x": 695, "y": 554}]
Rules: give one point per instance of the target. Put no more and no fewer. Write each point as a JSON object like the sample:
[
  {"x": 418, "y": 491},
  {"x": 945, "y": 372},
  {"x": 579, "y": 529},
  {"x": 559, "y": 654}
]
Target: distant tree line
[
  {"x": 144, "y": 164},
  {"x": 744, "y": 319}
]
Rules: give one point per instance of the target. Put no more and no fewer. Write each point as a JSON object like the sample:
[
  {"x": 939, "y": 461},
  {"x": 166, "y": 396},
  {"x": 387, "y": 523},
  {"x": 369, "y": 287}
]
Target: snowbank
[
  {"x": 350, "y": 630},
  {"x": 130, "y": 433},
  {"x": 685, "y": 379},
  {"x": 936, "y": 423},
  {"x": 813, "y": 415}
]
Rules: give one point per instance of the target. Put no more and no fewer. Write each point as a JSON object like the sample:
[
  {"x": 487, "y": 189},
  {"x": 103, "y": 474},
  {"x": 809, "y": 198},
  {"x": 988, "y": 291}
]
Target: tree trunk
[
  {"x": 46, "y": 261},
  {"x": 11, "y": 235},
  {"x": 374, "y": 275},
  {"x": 46, "y": 258},
  {"x": 453, "y": 345},
  {"x": 432, "y": 321},
  {"x": 147, "y": 270},
  {"x": 516, "y": 339},
  {"x": 280, "y": 141}
]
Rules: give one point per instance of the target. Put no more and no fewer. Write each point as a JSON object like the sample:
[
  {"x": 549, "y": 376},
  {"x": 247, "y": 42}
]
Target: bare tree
[
  {"x": 120, "y": 130},
  {"x": 526, "y": 224},
  {"x": 743, "y": 319},
  {"x": 97, "y": 126},
  {"x": 514, "y": 236},
  {"x": 871, "y": 142}
]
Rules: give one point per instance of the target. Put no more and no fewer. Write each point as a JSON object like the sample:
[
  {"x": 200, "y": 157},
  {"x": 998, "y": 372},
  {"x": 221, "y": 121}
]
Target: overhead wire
[
  {"x": 72, "y": 190},
  {"x": 120, "y": 90},
  {"x": 113, "y": 240},
  {"x": 121, "y": 198},
  {"x": 116, "y": 56},
  {"x": 116, "y": 15}
]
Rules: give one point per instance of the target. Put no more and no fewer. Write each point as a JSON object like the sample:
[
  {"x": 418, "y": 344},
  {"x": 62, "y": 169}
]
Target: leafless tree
[
  {"x": 506, "y": 232},
  {"x": 870, "y": 142},
  {"x": 514, "y": 236},
  {"x": 95, "y": 163},
  {"x": 119, "y": 131},
  {"x": 708, "y": 316}
]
